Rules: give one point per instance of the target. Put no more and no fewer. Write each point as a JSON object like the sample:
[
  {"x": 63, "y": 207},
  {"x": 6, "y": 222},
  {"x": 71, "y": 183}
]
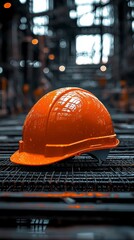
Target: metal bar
[
  {"x": 66, "y": 210},
  {"x": 90, "y": 195}
]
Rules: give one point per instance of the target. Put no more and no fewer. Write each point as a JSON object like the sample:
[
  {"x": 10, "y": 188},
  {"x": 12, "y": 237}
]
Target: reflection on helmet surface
[{"x": 67, "y": 105}]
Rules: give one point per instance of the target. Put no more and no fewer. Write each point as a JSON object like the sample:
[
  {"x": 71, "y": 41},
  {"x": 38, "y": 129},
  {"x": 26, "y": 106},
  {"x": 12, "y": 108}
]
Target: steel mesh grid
[{"x": 70, "y": 177}]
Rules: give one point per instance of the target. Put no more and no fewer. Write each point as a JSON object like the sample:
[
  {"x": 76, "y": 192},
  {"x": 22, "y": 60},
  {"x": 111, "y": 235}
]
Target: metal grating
[{"x": 81, "y": 173}]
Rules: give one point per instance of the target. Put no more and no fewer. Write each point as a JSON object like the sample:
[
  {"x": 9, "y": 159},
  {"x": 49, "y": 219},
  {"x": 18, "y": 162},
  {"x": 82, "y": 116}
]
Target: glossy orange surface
[{"x": 64, "y": 123}]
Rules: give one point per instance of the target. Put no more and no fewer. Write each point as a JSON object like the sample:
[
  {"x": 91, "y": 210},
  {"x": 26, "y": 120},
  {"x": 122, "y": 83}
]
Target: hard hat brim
[{"x": 33, "y": 159}]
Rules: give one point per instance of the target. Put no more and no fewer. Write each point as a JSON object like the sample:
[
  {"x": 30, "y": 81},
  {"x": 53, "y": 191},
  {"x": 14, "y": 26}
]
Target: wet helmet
[{"x": 64, "y": 123}]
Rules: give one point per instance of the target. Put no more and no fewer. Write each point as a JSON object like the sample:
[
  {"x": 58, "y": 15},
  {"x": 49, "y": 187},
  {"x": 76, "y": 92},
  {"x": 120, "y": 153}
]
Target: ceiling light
[
  {"x": 103, "y": 68},
  {"x": 7, "y": 5},
  {"x": 35, "y": 41},
  {"x": 62, "y": 68}
]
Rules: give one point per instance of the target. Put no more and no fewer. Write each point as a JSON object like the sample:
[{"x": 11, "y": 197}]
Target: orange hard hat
[{"x": 64, "y": 123}]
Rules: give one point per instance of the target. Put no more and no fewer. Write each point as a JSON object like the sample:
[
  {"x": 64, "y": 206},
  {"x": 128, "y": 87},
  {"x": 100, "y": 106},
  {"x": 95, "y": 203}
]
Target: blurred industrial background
[{"x": 47, "y": 44}]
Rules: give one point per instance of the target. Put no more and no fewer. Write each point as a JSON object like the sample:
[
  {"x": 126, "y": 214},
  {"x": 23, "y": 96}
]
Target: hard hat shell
[{"x": 64, "y": 123}]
